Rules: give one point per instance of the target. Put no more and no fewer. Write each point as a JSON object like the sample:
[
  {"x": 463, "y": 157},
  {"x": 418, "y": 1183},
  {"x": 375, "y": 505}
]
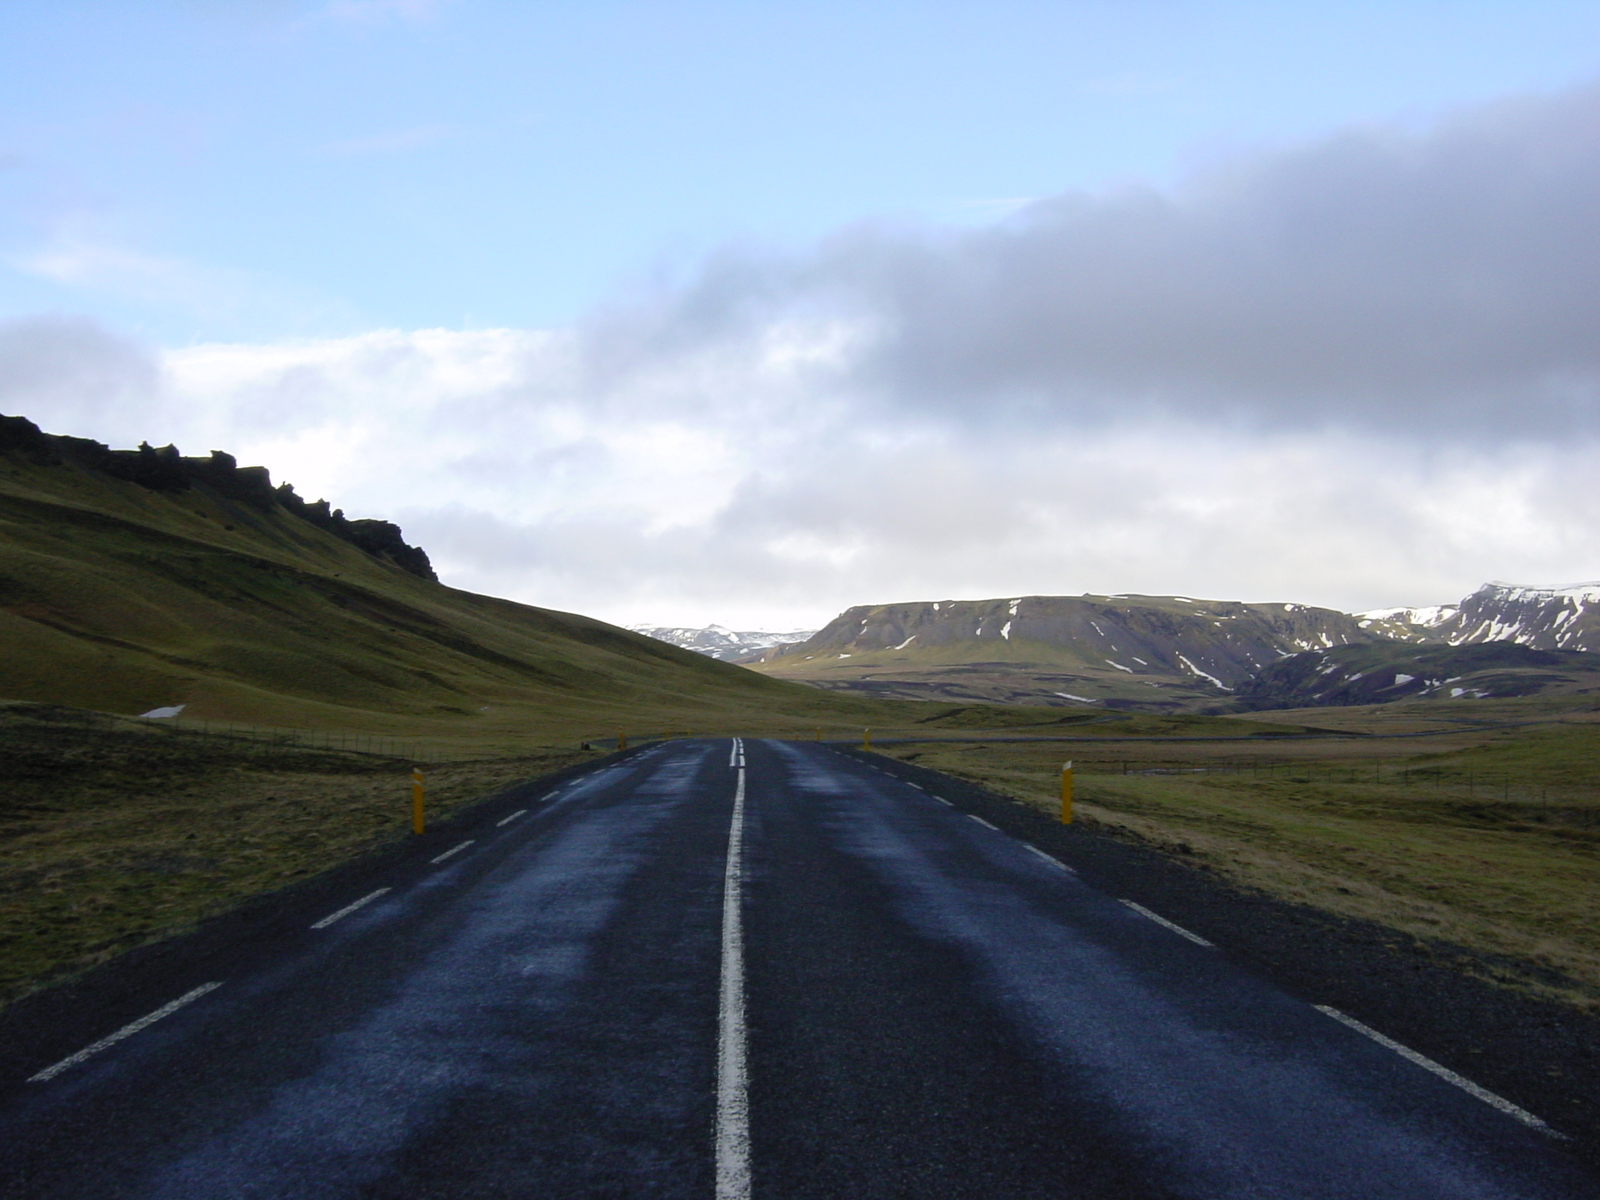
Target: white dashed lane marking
[
  {"x": 350, "y": 908},
  {"x": 166, "y": 1010},
  {"x": 1054, "y": 862},
  {"x": 451, "y": 851},
  {"x": 1166, "y": 924},
  {"x": 981, "y": 821},
  {"x": 512, "y": 817},
  {"x": 1443, "y": 1072}
]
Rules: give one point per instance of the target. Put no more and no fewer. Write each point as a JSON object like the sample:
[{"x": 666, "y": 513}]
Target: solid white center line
[
  {"x": 453, "y": 850},
  {"x": 1054, "y": 862},
  {"x": 349, "y": 908},
  {"x": 733, "y": 755},
  {"x": 1166, "y": 924},
  {"x": 981, "y": 821},
  {"x": 511, "y": 818},
  {"x": 1443, "y": 1072},
  {"x": 733, "y": 1093},
  {"x": 165, "y": 1010}
]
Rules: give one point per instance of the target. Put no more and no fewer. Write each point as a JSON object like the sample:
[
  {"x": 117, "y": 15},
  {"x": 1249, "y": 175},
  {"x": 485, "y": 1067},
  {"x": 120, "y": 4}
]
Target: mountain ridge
[
  {"x": 728, "y": 645},
  {"x": 1149, "y": 652}
]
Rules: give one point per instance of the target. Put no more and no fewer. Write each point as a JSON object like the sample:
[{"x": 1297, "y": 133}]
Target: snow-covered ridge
[
  {"x": 1427, "y": 616},
  {"x": 1545, "y": 618},
  {"x": 718, "y": 642},
  {"x": 1583, "y": 593}
]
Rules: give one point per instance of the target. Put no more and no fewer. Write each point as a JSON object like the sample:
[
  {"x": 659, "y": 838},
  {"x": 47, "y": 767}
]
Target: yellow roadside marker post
[
  {"x": 866, "y": 738},
  {"x": 1066, "y": 794},
  {"x": 416, "y": 799},
  {"x": 622, "y": 740}
]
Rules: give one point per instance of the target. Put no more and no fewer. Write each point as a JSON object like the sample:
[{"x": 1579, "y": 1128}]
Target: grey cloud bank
[
  {"x": 73, "y": 370},
  {"x": 1440, "y": 281}
]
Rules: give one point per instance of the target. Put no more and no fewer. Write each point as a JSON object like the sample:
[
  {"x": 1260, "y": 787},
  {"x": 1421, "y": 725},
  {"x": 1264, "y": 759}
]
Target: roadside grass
[
  {"x": 1489, "y": 842},
  {"x": 116, "y": 833}
]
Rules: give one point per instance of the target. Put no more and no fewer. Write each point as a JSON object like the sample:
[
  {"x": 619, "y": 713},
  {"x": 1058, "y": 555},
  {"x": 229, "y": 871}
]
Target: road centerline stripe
[
  {"x": 1443, "y": 1072},
  {"x": 166, "y": 1010},
  {"x": 981, "y": 821},
  {"x": 733, "y": 1093},
  {"x": 1166, "y": 924},
  {"x": 452, "y": 850},
  {"x": 350, "y": 908},
  {"x": 512, "y": 817}
]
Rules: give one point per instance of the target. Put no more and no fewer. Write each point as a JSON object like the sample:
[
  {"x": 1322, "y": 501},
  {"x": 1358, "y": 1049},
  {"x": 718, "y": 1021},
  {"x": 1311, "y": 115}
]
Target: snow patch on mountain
[{"x": 714, "y": 641}]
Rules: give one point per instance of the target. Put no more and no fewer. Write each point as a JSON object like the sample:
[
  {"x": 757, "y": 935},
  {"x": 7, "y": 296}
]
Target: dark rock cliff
[{"x": 163, "y": 469}]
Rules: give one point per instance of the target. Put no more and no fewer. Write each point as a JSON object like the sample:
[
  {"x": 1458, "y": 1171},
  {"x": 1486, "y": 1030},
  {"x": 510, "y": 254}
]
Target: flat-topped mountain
[{"x": 1123, "y": 651}]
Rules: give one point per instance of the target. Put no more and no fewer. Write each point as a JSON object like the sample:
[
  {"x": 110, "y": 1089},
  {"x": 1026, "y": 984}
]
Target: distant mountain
[
  {"x": 1407, "y": 624},
  {"x": 1558, "y": 618},
  {"x": 729, "y": 645},
  {"x": 1382, "y": 672},
  {"x": 1564, "y": 618},
  {"x": 1146, "y": 652}
]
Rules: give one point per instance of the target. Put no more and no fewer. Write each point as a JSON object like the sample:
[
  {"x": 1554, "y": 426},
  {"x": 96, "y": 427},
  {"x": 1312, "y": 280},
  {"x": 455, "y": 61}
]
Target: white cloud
[
  {"x": 1362, "y": 373},
  {"x": 748, "y": 487}
]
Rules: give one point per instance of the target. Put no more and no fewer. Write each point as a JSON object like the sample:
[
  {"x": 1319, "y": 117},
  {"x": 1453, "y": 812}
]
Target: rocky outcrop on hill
[{"x": 163, "y": 469}]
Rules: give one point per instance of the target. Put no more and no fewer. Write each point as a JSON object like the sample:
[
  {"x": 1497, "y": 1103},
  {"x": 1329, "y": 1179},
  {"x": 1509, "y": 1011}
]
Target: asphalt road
[{"x": 581, "y": 993}]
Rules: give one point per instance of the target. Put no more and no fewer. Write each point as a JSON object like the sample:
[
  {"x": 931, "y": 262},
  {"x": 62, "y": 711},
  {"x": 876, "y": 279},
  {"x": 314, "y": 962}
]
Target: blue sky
[
  {"x": 190, "y": 171},
  {"x": 745, "y": 312}
]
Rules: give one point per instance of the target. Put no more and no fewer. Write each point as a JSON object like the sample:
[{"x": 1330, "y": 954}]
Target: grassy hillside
[
  {"x": 306, "y": 666},
  {"x": 118, "y": 598}
]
